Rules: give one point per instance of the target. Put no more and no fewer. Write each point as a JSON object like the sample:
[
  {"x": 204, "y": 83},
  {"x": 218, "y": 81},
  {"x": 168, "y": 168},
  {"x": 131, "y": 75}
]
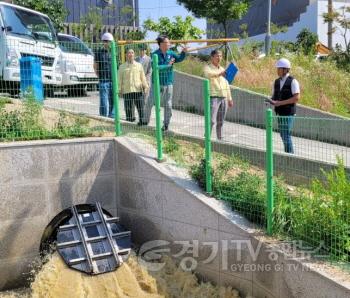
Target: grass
[
  {"x": 25, "y": 122},
  {"x": 4, "y": 101},
  {"x": 323, "y": 85},
  {"x": 317, "y": 215}
]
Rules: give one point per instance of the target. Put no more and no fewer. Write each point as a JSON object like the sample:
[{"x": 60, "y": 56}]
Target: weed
[
  {"x": 318, "y": 215},
  {"x": 323, "y": 85},
  {"x": 26, "y": 123},
  {"x": 170, "y": 145}
]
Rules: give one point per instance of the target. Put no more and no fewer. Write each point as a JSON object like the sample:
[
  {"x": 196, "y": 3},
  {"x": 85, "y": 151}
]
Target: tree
[
  {"x": 178, "y": 29},
  {"x": 136, "y": 35},
  {"x": 94, "y": 17},
  {"x": 275, "y": 29},
  {"x": 221, "y": 11},
  {"x": 341, "y": 20},
  {"x": 306, "y": 41},
  {"x": 55, "y": 9},
  {"x": 330, "y": 24}
]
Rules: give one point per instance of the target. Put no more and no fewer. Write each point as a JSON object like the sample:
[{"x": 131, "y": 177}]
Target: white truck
[
  {"x": 77, "y": 65},
  {"x": 25, "y": 32}
]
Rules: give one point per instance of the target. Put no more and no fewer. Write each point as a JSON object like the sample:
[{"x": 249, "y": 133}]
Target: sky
[{"x": 155, "y": 9}]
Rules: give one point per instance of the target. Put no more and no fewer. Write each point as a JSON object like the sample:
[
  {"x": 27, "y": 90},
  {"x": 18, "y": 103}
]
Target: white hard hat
[
  {"x": 107, "y": 36},
  {"x": 283, "y": 63}
]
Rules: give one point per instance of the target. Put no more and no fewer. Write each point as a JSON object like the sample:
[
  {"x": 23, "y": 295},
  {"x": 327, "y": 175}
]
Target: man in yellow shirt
[
  {"x": 220, "y": 92},
  {"x": 132, "y": 84}
]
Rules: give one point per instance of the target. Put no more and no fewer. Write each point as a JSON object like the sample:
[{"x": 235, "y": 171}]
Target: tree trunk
[
  {"x": 225, "y": 28},
  {"x": 224, "y": 24},
  {"x": 330, "y": 24}
]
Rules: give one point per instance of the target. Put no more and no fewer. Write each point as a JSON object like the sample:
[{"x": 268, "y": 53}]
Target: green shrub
[
  {"x": 197, "y": 172},
  {"x": 306, "y": 42},
  {"x": 319, "y": 216},
  {"x": 170, "y": 145},
  {"x": 11, "y": 125},
  {"x": 27, "y": 124}
]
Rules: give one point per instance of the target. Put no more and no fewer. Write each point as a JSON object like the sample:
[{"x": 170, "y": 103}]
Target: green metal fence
[
  {"x": 301, "y": 194},
  {"x": 49, "y": 89}
]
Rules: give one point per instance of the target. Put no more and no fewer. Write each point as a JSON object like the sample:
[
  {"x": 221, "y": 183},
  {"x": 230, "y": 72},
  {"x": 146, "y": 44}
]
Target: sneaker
[{"x": 142, "y": 123}]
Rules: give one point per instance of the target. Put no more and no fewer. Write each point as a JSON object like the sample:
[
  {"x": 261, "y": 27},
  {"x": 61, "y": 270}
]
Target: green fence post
[
  {"x": 269, "y": 170},
  {"x": 115, "y": 90},
  {"x": 156, "y": 94},
  {"x": 207, "y": 119}
]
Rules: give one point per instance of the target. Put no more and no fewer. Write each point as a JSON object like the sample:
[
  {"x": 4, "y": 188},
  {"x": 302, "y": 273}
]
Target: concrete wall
[
  {"x": 249, "y": 108},
  {"x": 37, "y": 181},
  {"x": 156, "y": 201},
  {"x": 160, "y": 202}
]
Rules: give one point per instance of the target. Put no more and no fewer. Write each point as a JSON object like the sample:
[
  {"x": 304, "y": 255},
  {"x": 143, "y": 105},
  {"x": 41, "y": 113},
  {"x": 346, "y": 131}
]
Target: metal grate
[
  {"x": 93, "y": 242},
  {"x": 45, "y": 60}
]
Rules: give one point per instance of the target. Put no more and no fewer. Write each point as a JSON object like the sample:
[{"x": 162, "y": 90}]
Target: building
[
  {"x": 118, "y": 16},
  {"x": 296, "y": 14},
  {"x": 112, "y": 11}
]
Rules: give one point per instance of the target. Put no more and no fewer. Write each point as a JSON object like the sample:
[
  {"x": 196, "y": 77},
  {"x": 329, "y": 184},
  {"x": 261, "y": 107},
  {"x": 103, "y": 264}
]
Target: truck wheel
[
  {"x": 49, "y": 92},
  {"x": 77, "y": 91},
  {"x": 14, "y": 93}
]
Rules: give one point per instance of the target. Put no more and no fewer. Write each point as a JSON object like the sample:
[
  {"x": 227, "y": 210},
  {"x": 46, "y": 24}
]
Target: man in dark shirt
[
  {"x": 285, "y": 95},
  {"x": 103, "y": 69}
]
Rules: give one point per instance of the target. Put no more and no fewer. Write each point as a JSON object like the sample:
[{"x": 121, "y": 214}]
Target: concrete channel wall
[
  {"x": 249, "y": 108},
  {"x": 160, "y": 202},
  {"x": 156, "y": 201},
  {"x": 38, "y": 180}
]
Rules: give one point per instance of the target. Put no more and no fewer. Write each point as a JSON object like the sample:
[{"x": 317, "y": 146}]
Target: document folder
[{"x": 231, "y": 72}]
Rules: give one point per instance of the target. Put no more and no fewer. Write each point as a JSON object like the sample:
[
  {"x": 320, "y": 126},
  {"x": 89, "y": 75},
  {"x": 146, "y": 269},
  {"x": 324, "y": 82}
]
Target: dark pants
[
  {"x": 285, "y": 125},
  {"x": 130, "y": 100},
  {"x": 218, "y": 114}
]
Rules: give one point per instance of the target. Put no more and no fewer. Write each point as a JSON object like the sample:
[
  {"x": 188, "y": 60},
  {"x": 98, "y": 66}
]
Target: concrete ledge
[
  {"x": 291, "y": 167},
  {"x": 185, "y": 213},
  {"x": 38, "y": 179}
]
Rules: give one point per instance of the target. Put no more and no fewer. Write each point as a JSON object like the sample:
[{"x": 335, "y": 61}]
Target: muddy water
[{"x": 55, "y": 280}]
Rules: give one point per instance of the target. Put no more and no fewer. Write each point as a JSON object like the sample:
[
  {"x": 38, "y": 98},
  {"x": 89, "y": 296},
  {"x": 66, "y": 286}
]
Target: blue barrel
[{"x": 31, "y": 79}]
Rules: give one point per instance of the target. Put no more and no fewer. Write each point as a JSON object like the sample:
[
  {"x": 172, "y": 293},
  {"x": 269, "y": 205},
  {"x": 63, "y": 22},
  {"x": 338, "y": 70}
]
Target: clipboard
[{"x": 231, "y": 72}]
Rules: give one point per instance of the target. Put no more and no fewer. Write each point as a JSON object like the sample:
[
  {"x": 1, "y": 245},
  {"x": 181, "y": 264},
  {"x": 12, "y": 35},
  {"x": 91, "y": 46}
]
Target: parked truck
[
  {"x": 77, "y": 65},
  {"x": 25, "y": 32}
]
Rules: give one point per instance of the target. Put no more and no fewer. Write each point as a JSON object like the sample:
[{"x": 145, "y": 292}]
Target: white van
[
  {"x": 77, "y": 65},
  {"x": 25, "y": 32}
]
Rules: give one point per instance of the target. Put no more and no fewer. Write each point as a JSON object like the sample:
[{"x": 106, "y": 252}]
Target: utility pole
[
  {"x": 268, "y": 33},
  {"x": 133, "y": 15},
  {"x": 330, "y": 24}
]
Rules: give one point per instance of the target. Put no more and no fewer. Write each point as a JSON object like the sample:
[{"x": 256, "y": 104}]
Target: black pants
[{"x": 130, "y": 100}]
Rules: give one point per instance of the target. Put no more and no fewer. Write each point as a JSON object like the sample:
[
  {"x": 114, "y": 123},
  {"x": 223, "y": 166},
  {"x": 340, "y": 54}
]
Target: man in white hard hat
[
  {"x": 103, "y": 69},
  {"x": 285, "y": 95}
]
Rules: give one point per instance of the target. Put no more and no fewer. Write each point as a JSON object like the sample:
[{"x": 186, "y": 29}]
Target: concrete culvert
[{"x": 88, "y": 238}]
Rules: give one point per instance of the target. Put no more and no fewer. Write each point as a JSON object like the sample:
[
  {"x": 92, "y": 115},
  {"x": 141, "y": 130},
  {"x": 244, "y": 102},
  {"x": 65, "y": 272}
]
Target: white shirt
[{"x": 295, "y": 85}]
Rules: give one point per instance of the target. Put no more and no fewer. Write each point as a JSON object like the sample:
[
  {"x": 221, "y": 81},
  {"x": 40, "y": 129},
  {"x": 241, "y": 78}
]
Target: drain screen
[{"x": 93, "y": 242}]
